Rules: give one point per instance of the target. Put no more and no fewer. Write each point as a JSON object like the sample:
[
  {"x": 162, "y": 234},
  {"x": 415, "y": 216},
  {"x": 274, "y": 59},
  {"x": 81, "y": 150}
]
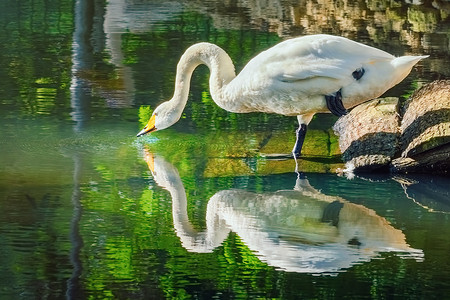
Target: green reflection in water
[{"x": 36, "y": 48}]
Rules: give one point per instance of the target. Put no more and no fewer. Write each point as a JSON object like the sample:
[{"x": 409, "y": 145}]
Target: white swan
[{"x": 298, "y": 77}]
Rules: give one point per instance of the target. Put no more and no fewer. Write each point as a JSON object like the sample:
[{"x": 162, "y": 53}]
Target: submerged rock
[{"x": 380, "y": 135}]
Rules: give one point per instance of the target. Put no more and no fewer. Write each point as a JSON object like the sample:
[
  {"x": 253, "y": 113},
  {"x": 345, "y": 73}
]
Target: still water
[{"x": 90, "y": 211}]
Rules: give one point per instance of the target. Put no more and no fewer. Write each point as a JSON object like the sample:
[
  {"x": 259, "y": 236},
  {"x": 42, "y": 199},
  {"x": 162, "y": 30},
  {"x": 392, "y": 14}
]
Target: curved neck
[{"x": 219, "y": 64}]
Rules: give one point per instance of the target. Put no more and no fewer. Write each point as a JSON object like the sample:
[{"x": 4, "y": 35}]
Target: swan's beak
[{"x": 149, "y": 127}]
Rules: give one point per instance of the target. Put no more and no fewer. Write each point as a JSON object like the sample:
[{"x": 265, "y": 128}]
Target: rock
[
  {"x": 436, "y": 161},
  {"x": 425, "y": 131},
  {"x": 426, "y": 120},
  {"x": 376, "y": 136},
  {"x": 368, "y": 135}
]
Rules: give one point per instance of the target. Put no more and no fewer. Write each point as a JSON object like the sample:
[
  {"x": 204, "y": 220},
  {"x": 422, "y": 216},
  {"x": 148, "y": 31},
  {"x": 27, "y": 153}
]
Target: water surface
[{"x": 196, "y": 211}]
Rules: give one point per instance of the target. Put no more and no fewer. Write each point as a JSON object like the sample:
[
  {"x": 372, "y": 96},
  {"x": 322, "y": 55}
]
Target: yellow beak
[{"x": 149, "y": 127}]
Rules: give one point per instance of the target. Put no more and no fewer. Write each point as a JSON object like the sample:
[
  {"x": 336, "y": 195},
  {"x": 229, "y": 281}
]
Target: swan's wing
[
  {"x": 320, "y": 60},
  {"x": 327, "y": 56}
]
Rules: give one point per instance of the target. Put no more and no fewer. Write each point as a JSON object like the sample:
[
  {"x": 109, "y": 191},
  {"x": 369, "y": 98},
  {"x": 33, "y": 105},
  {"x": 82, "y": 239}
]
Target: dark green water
[{"x": 88, "y": 211}]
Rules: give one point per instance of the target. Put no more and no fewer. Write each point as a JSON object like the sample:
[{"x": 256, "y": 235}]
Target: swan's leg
[
  {"x": 335, "y": 105},
  {"x": 300, "y": 134},
  {"x": 303, "y": 121}
]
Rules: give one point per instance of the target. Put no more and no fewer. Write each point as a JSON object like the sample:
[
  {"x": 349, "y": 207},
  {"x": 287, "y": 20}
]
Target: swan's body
[{"x": 298, "y": 77}]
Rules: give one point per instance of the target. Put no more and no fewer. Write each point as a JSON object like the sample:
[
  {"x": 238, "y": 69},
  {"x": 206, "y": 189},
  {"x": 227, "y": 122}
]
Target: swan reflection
[{"x": 299, "y": 230}]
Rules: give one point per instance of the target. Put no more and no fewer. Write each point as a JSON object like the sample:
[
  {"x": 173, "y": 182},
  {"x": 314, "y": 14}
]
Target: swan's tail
[
  {"x": 407, "y": 62},
  {"x": 403, "y": 65}
]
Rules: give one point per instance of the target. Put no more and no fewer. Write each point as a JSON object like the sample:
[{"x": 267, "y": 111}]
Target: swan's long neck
[{"x": 219, "y": 64}]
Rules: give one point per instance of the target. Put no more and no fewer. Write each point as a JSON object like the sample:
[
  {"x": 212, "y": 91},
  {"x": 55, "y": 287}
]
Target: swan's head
[{"x": 164, "y": 116}]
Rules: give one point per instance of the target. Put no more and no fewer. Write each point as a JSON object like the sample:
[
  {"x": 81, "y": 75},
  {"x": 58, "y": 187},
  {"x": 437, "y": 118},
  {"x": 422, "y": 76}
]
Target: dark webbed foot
[
  {"x": 335, "y": 105},
  {"x": 300, "y": 133}
]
